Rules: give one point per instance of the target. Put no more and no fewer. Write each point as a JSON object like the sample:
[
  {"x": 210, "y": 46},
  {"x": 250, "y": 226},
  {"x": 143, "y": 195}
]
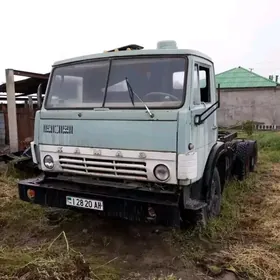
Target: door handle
[{"x": 214, "y": 127}]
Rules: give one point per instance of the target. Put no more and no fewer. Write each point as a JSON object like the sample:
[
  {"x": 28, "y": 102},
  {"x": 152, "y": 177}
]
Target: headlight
[
  {"x": 161, "y": 172},
  {"x": 48, "y": 162}
]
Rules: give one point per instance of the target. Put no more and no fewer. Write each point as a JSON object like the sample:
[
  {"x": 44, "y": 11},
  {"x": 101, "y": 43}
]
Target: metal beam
[
  {"x": 12, "y": 112},
  {"x": 31, "y": 74},
  {"x": 4, "y": 98},
  {"x": 18, "y": 99}
]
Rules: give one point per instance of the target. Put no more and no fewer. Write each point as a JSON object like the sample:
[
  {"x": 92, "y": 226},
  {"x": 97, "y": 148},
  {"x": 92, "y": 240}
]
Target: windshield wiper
[{"x": 131, "y": 93}]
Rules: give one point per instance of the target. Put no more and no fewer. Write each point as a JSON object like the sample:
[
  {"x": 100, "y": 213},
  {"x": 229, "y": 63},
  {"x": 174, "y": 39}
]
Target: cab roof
[{"x": 163, "y": 48}]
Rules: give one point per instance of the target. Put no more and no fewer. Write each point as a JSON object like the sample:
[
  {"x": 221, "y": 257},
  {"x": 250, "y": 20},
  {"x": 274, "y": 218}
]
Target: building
[{"x": 246, "y": 95}]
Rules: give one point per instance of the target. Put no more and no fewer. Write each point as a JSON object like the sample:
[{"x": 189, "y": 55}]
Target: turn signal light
[{"x": 30, "y": 193}]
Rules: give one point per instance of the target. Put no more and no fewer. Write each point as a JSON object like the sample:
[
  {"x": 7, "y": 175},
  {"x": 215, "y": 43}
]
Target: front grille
[{"x": 122, "y": 169}]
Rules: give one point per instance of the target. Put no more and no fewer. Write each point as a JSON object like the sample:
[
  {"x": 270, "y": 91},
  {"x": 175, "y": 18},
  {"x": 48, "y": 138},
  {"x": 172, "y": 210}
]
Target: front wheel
[
  {"x": 214, "y": 196},
  {"x": 213, "y": 199}
]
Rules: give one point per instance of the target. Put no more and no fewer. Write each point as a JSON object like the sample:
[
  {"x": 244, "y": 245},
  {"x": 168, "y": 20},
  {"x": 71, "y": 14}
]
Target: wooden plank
[
  {"x": 30, "y": 102},
  {"x": 12, "y": 115},
  {"x": 25, "y": 124}
]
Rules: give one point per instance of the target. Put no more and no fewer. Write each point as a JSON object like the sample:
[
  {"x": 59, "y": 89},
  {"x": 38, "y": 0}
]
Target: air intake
[{"x": 169, "y": 44}]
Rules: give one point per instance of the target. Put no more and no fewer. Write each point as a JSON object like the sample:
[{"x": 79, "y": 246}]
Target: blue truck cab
[{"x": 133, "y": 133}]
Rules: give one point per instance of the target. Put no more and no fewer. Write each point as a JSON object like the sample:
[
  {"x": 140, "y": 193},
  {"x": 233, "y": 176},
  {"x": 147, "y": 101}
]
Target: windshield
[{"x": 159, "y": 82}]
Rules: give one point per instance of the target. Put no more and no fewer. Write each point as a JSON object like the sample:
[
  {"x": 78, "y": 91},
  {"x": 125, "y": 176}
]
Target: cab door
[{"x": 203, "y": 97}]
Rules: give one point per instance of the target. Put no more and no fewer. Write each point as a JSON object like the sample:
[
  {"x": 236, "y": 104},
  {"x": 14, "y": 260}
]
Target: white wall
[{"x": 260, "y": 105}]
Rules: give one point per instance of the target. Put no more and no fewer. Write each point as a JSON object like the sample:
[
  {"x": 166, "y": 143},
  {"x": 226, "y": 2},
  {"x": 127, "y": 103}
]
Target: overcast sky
[{"x": 234, "y": 33}]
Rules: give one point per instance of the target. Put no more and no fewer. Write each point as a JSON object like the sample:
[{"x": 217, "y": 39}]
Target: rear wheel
[
  {"x": 243, "y": 168},
  {"x": 253, "y": 157},
  {"x": 242, "y": 162}
]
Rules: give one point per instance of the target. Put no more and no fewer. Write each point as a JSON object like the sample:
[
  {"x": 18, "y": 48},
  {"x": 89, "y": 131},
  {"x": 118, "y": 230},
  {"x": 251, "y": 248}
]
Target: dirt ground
[
  {"x": 134, "y": 251},
  {"x": 123, "y": 250}
]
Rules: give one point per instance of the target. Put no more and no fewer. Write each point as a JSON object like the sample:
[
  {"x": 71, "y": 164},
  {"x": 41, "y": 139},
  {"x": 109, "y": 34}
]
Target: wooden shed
[{"x": 18, "y": 106}]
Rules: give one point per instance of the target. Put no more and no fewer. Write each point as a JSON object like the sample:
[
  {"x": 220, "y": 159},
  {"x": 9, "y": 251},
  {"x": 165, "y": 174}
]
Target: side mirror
[
  {"x": 40, "y": 91},
  {"x": 39, "y": 96}
]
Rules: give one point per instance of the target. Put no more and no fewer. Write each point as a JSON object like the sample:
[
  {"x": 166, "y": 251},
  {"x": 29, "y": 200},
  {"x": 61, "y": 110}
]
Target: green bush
[{"x": 248, "y": 127}]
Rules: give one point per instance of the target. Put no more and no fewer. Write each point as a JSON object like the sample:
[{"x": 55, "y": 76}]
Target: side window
[
  {"x": 204, "y": 81},
  {"x": 196, "y": 87}
]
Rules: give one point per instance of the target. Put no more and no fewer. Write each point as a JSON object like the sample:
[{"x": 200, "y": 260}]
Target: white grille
[{"x": 122, "y": 169}]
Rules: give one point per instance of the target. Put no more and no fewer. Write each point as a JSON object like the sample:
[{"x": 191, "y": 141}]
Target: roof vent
[{"x": 168, "y": 44}]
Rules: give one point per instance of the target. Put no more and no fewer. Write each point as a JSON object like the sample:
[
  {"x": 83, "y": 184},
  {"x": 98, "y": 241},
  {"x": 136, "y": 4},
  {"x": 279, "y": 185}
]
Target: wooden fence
[{"x": 25, "y": 125}]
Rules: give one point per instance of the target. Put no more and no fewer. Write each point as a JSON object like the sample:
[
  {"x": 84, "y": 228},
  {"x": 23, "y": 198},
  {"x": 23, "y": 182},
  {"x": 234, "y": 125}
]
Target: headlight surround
[
  {"x": 162, "y": 172},
  {"x": 48, "y": 162}
]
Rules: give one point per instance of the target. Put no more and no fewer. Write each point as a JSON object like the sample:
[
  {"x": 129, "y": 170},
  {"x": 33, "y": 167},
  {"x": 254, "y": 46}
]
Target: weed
[
  {"x": 52, "y": 261},
  {"x": 25, "y": 251},
  {"x": 248, "y": 127},
  {"x": 245, "y": 238},
  {"x": 168, "y": 277}
]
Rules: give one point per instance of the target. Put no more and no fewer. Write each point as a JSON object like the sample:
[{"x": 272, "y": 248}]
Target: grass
[
  {"x": 246, "y": 237},
  {"x": 46, "y": 263},
  {"x": 28, "y": 249},
  {"x": 32, "y": 248}
]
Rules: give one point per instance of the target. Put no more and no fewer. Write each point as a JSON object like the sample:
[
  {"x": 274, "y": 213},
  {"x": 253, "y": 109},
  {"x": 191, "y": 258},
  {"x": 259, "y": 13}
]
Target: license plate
[{"x": 84, "y": 203}]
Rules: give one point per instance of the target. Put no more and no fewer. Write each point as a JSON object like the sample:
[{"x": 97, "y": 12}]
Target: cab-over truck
[{"x": 132, "y": 133}]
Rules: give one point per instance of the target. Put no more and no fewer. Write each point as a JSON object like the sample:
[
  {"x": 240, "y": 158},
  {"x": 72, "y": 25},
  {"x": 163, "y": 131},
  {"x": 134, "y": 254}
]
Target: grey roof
[{"x": 133, "y": 53}]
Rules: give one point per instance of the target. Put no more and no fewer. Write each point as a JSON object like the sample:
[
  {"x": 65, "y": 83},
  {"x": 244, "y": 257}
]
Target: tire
[
  {"x": 201, "y": 217},
  {"x": 242, "y": 163},
  {"x": 253, "y": 157}
]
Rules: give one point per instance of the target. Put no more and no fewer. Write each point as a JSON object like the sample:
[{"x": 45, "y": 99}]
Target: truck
[{"x": 132, "y": 133}]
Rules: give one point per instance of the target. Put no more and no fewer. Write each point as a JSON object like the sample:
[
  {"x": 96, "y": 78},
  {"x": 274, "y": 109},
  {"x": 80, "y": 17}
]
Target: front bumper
[{"x": 129, "y": 204}]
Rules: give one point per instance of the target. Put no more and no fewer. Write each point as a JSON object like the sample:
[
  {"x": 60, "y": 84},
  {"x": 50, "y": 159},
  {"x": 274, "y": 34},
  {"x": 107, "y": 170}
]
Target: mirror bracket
[
  {"x": 200, "y": 118},
  {"x": 40, "y": 90}
]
